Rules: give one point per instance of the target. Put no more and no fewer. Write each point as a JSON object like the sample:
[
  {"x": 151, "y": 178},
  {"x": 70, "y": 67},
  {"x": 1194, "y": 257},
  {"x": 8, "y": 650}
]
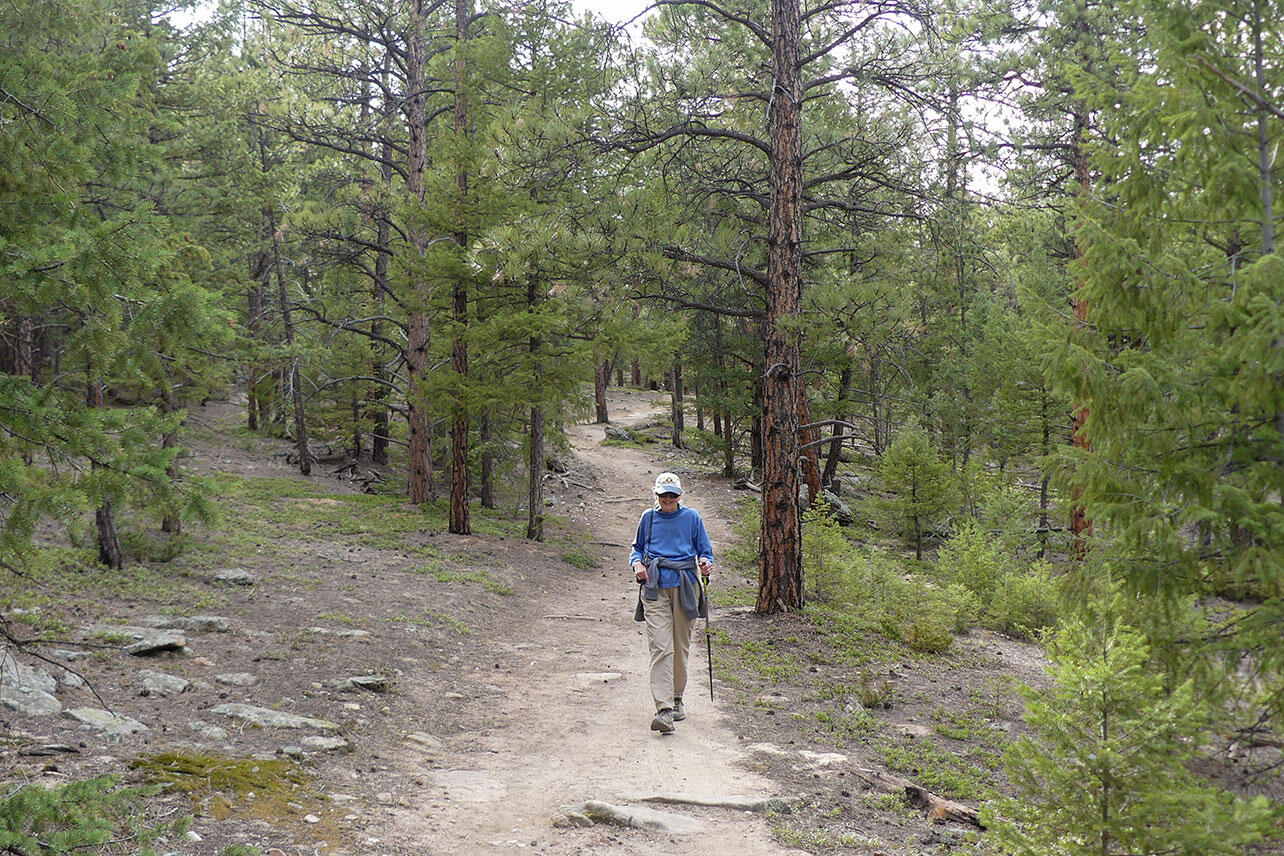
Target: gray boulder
[
  {"x": 236, "y": 577},
  {"x": 161, "y": 684},
  {"x": 188, "y": 623},
  {"x": 106, "y": 721},
  {"x": 29, "y": 701},
  {"x": 842, "y": 513}
]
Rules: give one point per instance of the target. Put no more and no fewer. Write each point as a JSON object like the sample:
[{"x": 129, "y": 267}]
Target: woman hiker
[{"x": 670, "y": 546}]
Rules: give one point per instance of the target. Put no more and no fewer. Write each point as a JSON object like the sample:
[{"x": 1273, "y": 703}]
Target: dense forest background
[{"x": 997, "y": 282}]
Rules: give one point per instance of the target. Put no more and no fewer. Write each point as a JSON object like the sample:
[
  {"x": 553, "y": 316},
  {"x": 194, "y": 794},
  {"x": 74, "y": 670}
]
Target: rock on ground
[
  {"x": 596, "y": 811},
  {"x": 268, "y": 718},
  {"x": 106, "y": 721}
]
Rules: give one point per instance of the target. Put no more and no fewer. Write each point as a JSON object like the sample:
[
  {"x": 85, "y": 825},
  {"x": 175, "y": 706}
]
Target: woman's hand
[
  {"x": 706, "y": 566},
  {"x": 639, "y": 571}
]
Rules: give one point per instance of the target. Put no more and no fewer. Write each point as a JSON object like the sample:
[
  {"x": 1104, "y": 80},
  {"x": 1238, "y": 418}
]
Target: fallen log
[{"x": 938, "y": 808}]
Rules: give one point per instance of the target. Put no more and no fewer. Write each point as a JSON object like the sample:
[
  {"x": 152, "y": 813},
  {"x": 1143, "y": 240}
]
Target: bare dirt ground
[{"x": 571, "y": 722}]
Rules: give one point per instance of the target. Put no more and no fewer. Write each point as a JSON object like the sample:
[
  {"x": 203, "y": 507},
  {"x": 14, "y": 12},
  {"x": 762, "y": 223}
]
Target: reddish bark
[{"x": 780, "y": 584}]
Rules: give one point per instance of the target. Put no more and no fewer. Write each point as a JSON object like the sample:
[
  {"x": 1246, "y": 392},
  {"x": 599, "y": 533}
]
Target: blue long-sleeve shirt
[{"x": 679, "y": 536}]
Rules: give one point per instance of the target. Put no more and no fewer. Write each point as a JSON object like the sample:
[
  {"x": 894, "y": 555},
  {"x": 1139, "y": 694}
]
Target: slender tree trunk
[
  {"x": 811, "y": 452},
  {"x": 296, "y": 392},
  {"x": 377, "y": 396},
  {"x": 172, "y": 522},
  {"x": 1266, "y": 154},
  {"x": 24, "y": 363},
  {"x": 675, "y": 401},
  {"x": 535, "y": 465},
  {"x": 875, "y": 400},
  {"x": 840, "y": 413},
  {"x": 699, "y": 410},
  {"x": 728, "y": 446},
  {"x": 254, "y": 323},
  {"x": 1046, "y": 420},
  {"x": 109, "y": 551},
  {"x": 780, "y": 582},
  {"x": 1080, "y": 525},
  {"x": 601, "y": 376},
  {"x": 535, "y": 498},
  {"x": 459, "y": 522},
  {"x": 418, "y": 421}
]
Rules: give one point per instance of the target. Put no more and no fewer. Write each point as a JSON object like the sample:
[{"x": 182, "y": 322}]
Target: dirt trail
[{"x": 572, "y": 723}]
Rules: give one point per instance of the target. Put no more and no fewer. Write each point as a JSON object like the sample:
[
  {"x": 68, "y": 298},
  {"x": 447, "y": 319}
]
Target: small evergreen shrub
[
  {"x": 71, "y": 818},
  {"x": 826, "y": 551},
  {"x": 1107, "y": 766},
  {"x": 928, "y": 633},
  {"x": 971, "y": 559},
  {"x": 1025, "y": 604}
]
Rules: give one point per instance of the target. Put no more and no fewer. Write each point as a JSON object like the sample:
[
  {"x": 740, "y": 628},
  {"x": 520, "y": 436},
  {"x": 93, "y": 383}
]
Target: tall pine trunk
[
  {"x": 675, "y": 402},
  {"x": 535, "y": 463},
  {"x": 109, "y": 551},
  {"x": 780, "y": 582},
  {"x": 601, "y": 377},
  {"x": 418, "y": 422},
  {"x": 459, "y": 522},
  {"x": 287, "y": 323}
]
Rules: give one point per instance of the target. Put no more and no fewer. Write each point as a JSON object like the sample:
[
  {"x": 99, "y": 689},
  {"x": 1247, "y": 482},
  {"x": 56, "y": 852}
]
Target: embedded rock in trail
[
  {"x": 161, "y": 684},
  {"x": 236, "y": 577},
  {"x": 106, "y": 721},
  {"x": 16, "y": 674},
  {"x": 596, "y": 811},
  {"x": 236, "y": 679},
  {"x": 616, "y": 432},
  {"x": 325, "y": 744},
  {"x": 342, "y": 634},
  {"x": 207, "y": 731},
  {"x": 268, "y": 718},
  {"x": 756, "y": 805},
  {"x": 29, "y": 701},
  {"x": 26, "y": 690},
  {"x": 148, "y": 640},
  {"x": 373, "y": 683},
  {"x": 188, "y": 623}
]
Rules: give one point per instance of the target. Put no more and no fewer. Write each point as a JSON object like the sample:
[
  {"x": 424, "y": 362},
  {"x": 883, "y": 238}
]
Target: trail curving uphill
[{"x": 571, "y": 723}]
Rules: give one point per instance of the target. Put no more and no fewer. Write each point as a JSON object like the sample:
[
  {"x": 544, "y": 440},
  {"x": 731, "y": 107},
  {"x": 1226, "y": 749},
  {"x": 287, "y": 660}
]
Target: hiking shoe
[
  {"x": 679, "y": 712},
  {"x": 663, "y": 721}
]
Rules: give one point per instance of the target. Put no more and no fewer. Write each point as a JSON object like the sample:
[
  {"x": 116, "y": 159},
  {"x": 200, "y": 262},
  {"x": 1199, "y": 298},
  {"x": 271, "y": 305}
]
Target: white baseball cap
[{"x": 668, "y": 483}]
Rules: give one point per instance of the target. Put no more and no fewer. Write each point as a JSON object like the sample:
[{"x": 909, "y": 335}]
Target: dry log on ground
[{"x": 938, "y": 808}]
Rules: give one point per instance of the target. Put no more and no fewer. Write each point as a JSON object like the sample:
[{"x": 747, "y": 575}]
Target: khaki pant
[{"x": 669, "y": 638}]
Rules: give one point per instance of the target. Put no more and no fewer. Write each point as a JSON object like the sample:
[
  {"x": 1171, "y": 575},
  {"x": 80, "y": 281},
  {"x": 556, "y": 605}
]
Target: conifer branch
[{"x": 760, "y": 32}]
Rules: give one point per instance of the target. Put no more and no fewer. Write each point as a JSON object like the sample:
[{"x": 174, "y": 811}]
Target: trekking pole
[{"x": 708, "y": 636}]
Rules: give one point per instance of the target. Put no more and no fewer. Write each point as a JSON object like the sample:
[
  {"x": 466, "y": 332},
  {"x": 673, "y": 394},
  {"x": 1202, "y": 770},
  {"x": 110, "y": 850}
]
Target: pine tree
[
  {"x": 919, "y": 483},
  {"x": 1105, "y": 772}
]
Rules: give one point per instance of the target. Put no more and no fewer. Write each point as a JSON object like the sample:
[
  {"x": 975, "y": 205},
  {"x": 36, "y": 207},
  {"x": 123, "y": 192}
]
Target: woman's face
[{"x": 668, "y": 501}]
